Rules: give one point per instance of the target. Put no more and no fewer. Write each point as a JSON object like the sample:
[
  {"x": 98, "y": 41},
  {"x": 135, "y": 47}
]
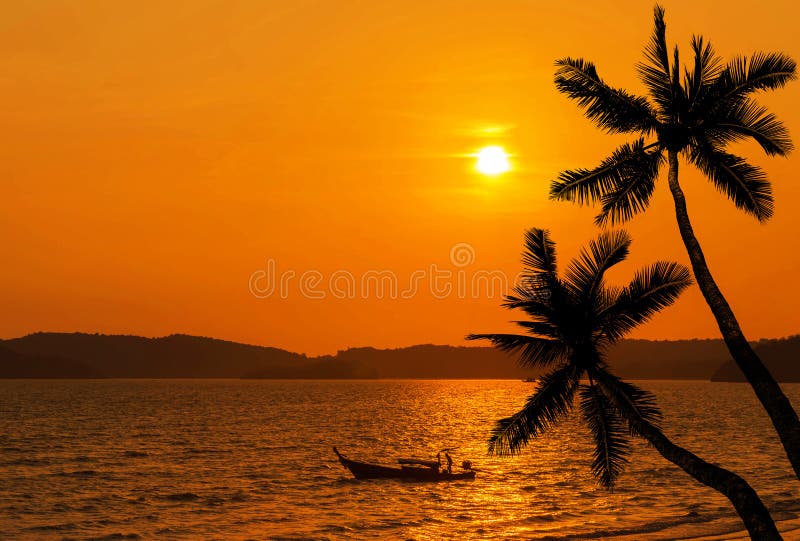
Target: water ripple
[{"x": 188, "y": 459}]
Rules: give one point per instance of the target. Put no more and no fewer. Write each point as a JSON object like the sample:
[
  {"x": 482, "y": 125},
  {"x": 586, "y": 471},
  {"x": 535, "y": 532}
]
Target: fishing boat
[{"x": 410, "y": 468}]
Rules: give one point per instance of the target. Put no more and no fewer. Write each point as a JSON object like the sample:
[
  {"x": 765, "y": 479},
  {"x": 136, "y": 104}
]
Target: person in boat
[
  {"x": 439, "y": 460},
  {"x": 449, "y": 462}
]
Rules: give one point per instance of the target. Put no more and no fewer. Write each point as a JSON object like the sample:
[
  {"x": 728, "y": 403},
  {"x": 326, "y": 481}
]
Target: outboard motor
[{"x": 466, "y": 465}]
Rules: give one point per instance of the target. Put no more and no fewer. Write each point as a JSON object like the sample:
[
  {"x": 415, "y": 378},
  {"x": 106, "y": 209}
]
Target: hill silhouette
[
  {"x": 80, "y": 355},
  {"x": 668, "y": 359},
  {"x": 782, "y": 358},
  {"x": 18, "y": 365},
  {"x": 183, "y": 356},
  {"x": 174, "y": 356},
  {"x": 421, "y": 361}
]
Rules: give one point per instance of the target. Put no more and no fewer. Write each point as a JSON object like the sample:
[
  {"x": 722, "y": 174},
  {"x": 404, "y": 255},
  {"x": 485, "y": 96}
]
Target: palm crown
[
  {"x": 696, "y": 111},
  {"x": 571, "y": 322}
]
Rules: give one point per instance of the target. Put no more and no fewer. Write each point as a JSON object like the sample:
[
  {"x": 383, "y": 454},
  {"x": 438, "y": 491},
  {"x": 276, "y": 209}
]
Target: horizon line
[{"x": 352, "y": 347}]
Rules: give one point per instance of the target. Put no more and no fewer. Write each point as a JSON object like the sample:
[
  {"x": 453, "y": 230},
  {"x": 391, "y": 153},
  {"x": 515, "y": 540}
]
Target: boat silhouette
[{"x": 410, "y": 469}]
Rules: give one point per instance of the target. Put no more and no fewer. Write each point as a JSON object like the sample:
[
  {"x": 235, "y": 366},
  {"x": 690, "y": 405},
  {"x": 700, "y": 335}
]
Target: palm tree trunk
[
  {"x": 780, "y": 410},
  {"x": 744, "y": 498}
]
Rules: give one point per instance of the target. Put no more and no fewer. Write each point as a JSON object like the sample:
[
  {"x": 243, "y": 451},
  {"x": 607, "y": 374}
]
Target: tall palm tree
[
  {"x": 571, "y": 323},
  {"x": 694, "y": 116}
]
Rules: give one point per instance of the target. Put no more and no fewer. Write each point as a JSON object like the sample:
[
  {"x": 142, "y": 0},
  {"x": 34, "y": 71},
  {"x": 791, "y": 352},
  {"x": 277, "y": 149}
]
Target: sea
[{"x": 253, "y": 459}]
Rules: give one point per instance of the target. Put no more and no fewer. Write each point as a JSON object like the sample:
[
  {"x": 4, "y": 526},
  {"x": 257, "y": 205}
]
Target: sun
[{"x": 492, "y": 160}]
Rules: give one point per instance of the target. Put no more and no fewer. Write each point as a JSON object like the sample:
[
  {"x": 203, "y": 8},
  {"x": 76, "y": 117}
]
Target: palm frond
[
  {"x": 533, "y": 351},
  {"x": 614, "y": 110},
  {"x": 545, "y": 329},
  {"x": 584, "y": 275},
  {"x": 535, "y": 286},
  {"x": 744, "y": 184},
  {"x": 543, "y": 300},
  {"x": 748, "y": 119},
  {"x": 743, "y": 76},
  {"x": 631, "y": 402},
  {"x": 534, "y": 300},
  {"x": 707, "y": 66},
  {"x": 651, "y": 290},
  {"x": 606, "y": 299},
  {"x": 541, "y": 292},
  {"x": 548, "y": 404},
  {"x": 633, "y": 192},
  {"x": 539, "y": 255},
  {"x": 588, "y": 185},
  {"x": 609, "y": 433},
  {"x": 655, "y": 71},
  {"x": 679, "y": 99}
]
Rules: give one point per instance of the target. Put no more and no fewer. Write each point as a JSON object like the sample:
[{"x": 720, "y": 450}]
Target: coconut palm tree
[
  {"x": 572, "y": 321},
  {"x": 693, "y": 115}
]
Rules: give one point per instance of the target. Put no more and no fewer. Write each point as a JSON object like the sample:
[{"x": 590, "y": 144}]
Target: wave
[
  {"x": 54, "y": 527},
  {"x": 207, "y": 451},
  {"x": 692, "y": 517},
  {"x": 114, "y": 536},
  {"x": 11, "y": 449},
  {"x": 182, "y": 497},
  {"x": 28, "y": 462},
  {"x": 78, "y": 473},
  {"x": 239, "y": 497}
]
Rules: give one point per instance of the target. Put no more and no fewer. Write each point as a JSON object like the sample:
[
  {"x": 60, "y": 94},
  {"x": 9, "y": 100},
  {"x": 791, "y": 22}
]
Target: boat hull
[{"x": 364, "y": 470}]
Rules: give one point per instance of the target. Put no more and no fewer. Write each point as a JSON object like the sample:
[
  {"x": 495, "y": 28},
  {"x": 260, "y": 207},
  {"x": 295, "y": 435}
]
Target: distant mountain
[
  {"x": 18, "y": 365},
  {"x": 78, "y": 355},
  {"x": 668, "y": 359},
  {"x": 182, "y": 356},
  {"x": 781, "y": 356},
  {"x": 174, "y": 356},
  {"x": 423, "y": 361}
]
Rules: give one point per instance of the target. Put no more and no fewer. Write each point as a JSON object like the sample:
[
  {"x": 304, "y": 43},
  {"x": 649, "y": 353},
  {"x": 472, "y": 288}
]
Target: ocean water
[{"x": 226, "y": 459}]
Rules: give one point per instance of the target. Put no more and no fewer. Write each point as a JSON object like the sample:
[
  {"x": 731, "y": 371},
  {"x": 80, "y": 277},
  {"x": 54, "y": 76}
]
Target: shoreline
[{"x": 789, "y": 528}]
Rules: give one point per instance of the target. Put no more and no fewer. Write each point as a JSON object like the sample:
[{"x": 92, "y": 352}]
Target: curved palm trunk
[
  {"x": 780, "y": 410},
  {"x": 744, "y": 498}
]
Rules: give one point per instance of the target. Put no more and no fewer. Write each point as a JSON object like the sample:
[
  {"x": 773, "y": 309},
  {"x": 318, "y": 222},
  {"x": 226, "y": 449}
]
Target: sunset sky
[{"x": 155, "y": 155}]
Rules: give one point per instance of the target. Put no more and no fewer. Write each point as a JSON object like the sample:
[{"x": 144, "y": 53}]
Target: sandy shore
[{"x": 790, "y": 530}]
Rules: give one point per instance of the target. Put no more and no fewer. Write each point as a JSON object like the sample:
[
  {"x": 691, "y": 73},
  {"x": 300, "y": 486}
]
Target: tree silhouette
[
  {"x": 571, "y": 323},
  {"x": 694, "y": 114}
]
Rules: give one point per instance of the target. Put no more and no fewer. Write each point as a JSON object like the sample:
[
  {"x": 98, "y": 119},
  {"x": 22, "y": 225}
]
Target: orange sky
[{"x": 156, "y": 154}]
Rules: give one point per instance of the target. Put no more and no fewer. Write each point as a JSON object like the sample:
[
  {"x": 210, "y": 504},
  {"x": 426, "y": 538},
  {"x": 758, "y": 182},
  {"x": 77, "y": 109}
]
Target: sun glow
[{"x": 492, "y": 160}]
